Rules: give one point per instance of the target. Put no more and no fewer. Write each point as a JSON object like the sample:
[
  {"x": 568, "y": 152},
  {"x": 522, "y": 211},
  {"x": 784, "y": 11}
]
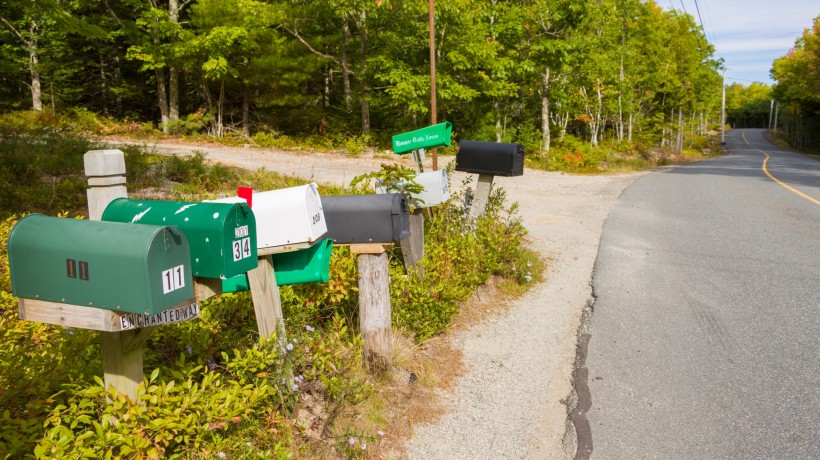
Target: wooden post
[
  {"x": 105, "y": 170},
  {"x": 266, "y": 301},
  {"x": 374, "y": 306},
  {"x": 413, "y": 248},
  {"x": 122, "y": 351},
  {"x": 482, "y": 195}
]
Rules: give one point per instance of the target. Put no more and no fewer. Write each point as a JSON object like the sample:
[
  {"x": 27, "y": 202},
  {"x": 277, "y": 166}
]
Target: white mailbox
[
  {"x": 288, "y": 218},
  {"x": 436, "y": 189}
]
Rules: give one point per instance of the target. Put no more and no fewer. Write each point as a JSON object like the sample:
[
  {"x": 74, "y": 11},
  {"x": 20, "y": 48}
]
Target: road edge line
[{"x": 787, "y": 186}]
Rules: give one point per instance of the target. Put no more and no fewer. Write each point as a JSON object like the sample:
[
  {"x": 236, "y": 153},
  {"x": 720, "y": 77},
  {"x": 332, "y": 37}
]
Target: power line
[
  {"x": 702, "y": 26},
  {"x": 708, "y": 15}
]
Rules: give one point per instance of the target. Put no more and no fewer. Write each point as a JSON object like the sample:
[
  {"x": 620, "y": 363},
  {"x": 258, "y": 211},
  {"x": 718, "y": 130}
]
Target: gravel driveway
[{"x": 511, "y": 403}]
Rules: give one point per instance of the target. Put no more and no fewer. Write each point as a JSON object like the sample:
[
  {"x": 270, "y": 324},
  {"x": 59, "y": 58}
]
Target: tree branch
[
  {"x": 313, "y": 50},
  {"x": 112, "y": 13},
  {"x": 13, "y": 29}
]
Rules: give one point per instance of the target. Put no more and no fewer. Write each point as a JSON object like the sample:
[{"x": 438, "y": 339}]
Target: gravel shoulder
[{"x": 511, "y": 403}]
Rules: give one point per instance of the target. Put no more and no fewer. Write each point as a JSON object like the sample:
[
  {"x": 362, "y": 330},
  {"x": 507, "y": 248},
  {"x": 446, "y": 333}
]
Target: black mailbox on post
[
  {"x": 491, "y": 158},
  {"x": 361, "y": 219}
]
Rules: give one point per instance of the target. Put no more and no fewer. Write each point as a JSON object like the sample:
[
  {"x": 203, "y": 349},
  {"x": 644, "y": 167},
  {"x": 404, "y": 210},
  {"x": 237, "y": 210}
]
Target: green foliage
[
  {"x": 213, "y": 385},
  {"x": 459, "y": 255},
  {"x": 40, "y": 168},
  {"x": 798, "y": 88},
  {"x": 308, "y": 73},
  {"x": 168, "y": 420},
  {"x": 394, "y": 179}
]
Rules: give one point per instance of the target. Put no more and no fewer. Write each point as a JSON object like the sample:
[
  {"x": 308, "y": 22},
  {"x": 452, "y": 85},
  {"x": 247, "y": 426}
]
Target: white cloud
[
  {"x": 750, "y": 34},
  {"x": 755, "y": 45}
]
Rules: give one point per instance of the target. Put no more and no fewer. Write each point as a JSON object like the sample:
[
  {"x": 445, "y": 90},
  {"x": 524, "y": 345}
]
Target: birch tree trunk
[
  {"x": 34, "y": 64},
  {"x": 346, "y": 75},
  {"x": 162, "y": 96},
  {"x": 620, "y": 95},
  {"x": 679, "y": 140},
  {"x": 363, "y": 76},
  {"x": 545, "y": 112},
  {"x": 246, "y": 111},
  {"x": 220, "y": 104},
  {"x": 499, "y": 134},
  {"x": 326, "y": 90},
  {"x": 103, "y": 85},
  {"x": 173, "y": 71}
]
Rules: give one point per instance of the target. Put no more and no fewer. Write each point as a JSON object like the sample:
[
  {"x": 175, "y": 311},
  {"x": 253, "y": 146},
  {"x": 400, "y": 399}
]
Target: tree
[
  {"x": 33, "y": 24},
  {"x": 798, "y": 86}
]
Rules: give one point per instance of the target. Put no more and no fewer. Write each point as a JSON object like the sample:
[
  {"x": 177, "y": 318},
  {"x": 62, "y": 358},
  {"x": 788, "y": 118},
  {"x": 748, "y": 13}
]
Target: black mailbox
[
  {"x": 492, "y": 158},
  {"x": 358, "y": 219}
]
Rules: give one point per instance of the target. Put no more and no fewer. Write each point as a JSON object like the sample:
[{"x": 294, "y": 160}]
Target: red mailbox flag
[{"x": 246, "y": 193}]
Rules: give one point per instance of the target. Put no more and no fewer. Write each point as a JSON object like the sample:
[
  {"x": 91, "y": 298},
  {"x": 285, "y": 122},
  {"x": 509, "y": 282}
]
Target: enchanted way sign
[{"x": 172, "y": 315}]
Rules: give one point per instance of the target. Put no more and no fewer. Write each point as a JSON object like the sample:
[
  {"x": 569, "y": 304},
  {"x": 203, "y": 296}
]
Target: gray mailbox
[
  {"x": 493, "y": 158},
  {"x": 360, "y": 219}
]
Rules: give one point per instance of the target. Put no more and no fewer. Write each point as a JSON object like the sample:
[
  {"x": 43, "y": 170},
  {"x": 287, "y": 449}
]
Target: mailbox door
[
  {"x": 108, "y": 265},
  {"x": 400, "y": 217},
  {"x": 494, "y": 158},
  {"x": 222, "y": 236}
]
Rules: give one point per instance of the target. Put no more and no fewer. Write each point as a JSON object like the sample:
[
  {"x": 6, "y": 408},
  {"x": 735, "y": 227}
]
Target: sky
[{"x": 750, "y": 34}]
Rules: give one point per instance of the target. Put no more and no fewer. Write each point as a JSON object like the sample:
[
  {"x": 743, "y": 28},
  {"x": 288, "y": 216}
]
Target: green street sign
[{"x": 429, "y": 137}]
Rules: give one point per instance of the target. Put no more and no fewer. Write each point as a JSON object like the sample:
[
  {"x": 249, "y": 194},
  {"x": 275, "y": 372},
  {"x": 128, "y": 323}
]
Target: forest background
[{"x": 571, "y": 74}]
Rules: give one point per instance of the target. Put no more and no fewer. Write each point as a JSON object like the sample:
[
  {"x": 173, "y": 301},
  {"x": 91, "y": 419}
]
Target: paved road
[{"x": 705, "y": 335}]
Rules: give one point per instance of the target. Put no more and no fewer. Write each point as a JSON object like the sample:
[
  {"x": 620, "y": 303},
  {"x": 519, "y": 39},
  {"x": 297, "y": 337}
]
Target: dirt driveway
[{"x": 512, "y": 401}]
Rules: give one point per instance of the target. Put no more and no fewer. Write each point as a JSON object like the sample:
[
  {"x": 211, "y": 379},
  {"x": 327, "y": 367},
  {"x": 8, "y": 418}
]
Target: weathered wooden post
[
  {"x": 122, "y": 351},
  {"x": 488, "y": 159},
  {"x": 481, "y": 195},
  {"x": 412, "y": 248},
  {"x": 375, "y": 310},
  {"x": 267, "y": 302},
  {"x": 368, "y": 224}
]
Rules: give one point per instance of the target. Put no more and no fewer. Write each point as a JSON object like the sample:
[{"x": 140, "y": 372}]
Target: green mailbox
[
  {"x": 143, "y": 269},
  {"x": 222, "y": 236},
  {"x": 431, "y": 136},
  {"x": 311, "y": 265}
]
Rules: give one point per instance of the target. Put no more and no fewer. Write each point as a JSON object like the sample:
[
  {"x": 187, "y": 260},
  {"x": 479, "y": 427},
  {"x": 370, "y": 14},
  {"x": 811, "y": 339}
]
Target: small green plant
[{"x": 393, "y": 178}]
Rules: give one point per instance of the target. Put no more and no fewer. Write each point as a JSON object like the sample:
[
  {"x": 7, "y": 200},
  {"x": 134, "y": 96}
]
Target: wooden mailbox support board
[
  {"x": 412, "y": 248},
  {"x": 374, "y": 306},
  {"x": 267, "y": 303}
]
